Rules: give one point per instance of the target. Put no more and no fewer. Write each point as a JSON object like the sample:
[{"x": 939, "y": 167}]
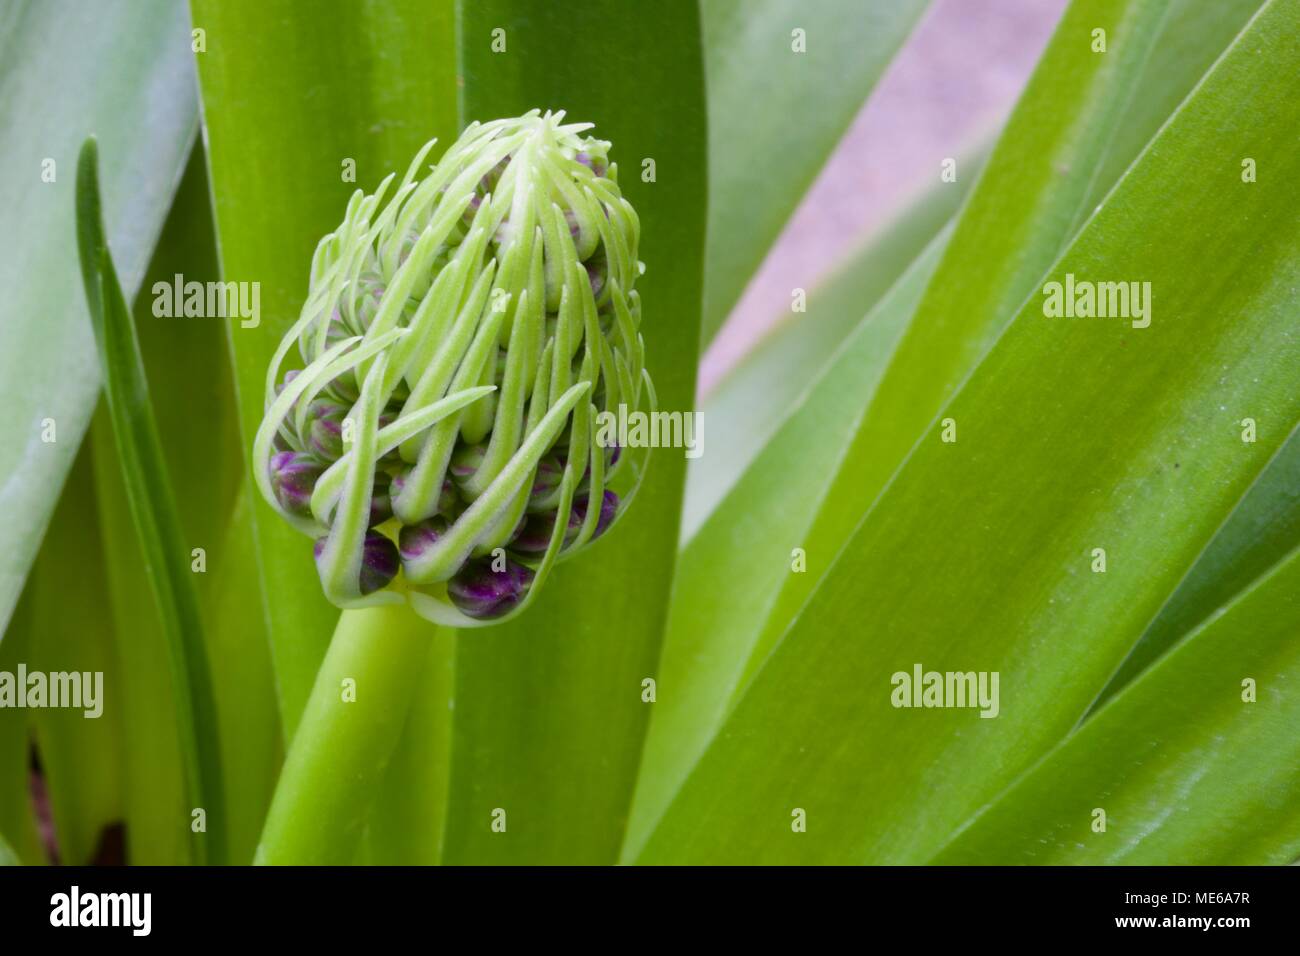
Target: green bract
[{"x": 458, "y": 342}]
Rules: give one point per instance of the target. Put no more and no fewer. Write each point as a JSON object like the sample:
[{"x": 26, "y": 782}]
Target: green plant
[{"x": 933, "y": 470}]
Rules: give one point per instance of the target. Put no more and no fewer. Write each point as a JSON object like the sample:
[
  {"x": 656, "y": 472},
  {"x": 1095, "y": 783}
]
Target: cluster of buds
[{"x": 457, "y": 345}]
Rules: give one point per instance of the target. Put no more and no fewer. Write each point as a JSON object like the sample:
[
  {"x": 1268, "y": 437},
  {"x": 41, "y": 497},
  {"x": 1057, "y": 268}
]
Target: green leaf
[
  {"x": 1193, "y": 36},
  {"x": 157, "y": 806},
  {"x": 1187, "y": 769},
  {"x": 153, "y": 510},
  {"x": 317, "y": 106},
  {"x": 1262, "y": 529},
  {"x": 761, "y": 158},
  {"x": 730, "y": 573},
  {"x": 1018, "y": 219},
  {"x": 121, "y": 69},
  {"x": 752, "y": 401},
  {"x": 241, "y": 668},
  {"x": 185, "y": 361},
  {"x": 549, "y": 717},
  {"x": 1072, "y": 435},
  {"x": 81, "y": 755}
]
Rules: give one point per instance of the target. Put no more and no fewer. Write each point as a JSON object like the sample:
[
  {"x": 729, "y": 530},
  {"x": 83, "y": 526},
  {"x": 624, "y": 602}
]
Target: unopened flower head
[{"x": 459, "y": 337}]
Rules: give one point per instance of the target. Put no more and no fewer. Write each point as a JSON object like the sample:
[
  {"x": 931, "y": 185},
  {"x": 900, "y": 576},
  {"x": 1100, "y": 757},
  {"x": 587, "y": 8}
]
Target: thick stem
[{"x": 354, "y": 717}]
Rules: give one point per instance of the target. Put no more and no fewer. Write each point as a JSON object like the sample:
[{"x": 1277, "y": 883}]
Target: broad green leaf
[
  {"x": 549, "y": 716},
  {"x": 1016, "y": 222},
  {"x": 742, "y": 404},
  {"x": 752, "y": 401},
  {"x": 7, "y": 855},
  {"x": 1190, "y": 763},
  {"x": 299, "y": 110},
  {"x": 153, "y": 510},
  {"x": 730, "y": 573},
  {"x": 251, "y": 748},
  {"x": 1071, "y": 435},
  {"x": 1262, "y": 528},
  {"x": 120, "y": 69},
  {"x": 1192, "y": 37},
  {"x": 190, "y": 379},
  {"x": 81, "y": 755},
  {"x": 785, "y": 79}
]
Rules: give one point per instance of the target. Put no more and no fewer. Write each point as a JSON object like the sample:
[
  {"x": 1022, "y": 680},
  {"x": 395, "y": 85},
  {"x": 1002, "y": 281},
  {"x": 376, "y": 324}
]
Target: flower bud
[
  {"x": 608, "y": 511},
  {"x": 468, "y": 323},
  {"x": 325, "y": 429},
  {"x": 483, "y": 594},
  {"x": 379, "y": 561},
  {"x": 293, "y": 476},
  {"x": 415, "y": 539}
]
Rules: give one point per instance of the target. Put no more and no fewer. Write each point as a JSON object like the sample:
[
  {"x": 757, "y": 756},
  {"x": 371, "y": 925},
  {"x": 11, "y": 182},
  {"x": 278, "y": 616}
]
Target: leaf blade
[
  {"x": 931, "y": 576},
  {"x": 1186, "y": 770},
  {"x": 66, "y": 68},
  {"x": 153, "y": 510},
  {"x": 755, "y": 81}
]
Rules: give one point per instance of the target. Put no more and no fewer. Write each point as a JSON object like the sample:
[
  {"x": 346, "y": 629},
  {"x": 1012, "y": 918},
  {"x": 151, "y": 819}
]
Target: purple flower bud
[
  {"x": 379, "y": 561},
  {"x": 466, "y": 461},
  {"x": 325, "y": 429},
  {"x": 608, "y": 510},
  {"x": 482, "y": 593},
  {"x": 596, "y": 275},
  {"x": 535, "y": 537},
  {"x": 595, "y": 164},
  {"x": 289, "y": 376},
  {"x": 550, "y": 471},
  {"x": 293, "y": 477},
  {"x": 415, "y": 539}
]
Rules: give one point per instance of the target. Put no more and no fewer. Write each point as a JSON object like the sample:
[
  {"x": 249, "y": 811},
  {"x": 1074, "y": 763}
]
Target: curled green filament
[{"x": 457, "y": 343}]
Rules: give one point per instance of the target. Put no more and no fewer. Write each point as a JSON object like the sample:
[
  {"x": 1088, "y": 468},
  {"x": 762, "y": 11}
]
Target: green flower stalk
[{"x": 457, "y": 343}]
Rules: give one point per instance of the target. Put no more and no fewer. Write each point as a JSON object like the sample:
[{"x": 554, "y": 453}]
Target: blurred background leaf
[
  {"x": 731, "y": 571},
  {"x": 1048, "y": 433},
  {"x": 72, "y": 631},
  {"x": 775, "y": 115},
  {"x": 120, "y": 69},
  {"x": 753, "y": 399},
  {"x": 169, "y": 566},
  {"x": 1017, "y": 220}
]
